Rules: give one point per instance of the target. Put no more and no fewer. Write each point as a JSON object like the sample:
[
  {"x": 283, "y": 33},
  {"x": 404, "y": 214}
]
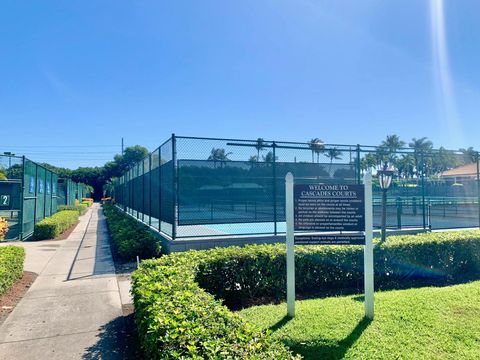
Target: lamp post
[
  {"x": 9, "y": 154},
  {"x": 385, "y": 179}
]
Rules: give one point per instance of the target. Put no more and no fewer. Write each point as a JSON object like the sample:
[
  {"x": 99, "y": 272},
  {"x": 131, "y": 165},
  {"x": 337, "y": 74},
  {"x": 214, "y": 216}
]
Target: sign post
[
  {"x": 329, "y": 214},
  {"x": 290, "y": 246},
  {"x": 368, "y": 250}
]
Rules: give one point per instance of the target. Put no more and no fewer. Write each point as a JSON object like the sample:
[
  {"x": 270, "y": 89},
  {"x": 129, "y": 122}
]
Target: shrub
[
  {"x": 81, "y": 208},
  {"x": 52, "y": 226},
  {"x": 11, "y": 266},
  {"x": 176, "y": 319},
  {"x": 129, "y": 237},
  {"x": 87, "y": 201},
  {"x": 254, "y": 271},
  {"x": 3, "y": 228}
]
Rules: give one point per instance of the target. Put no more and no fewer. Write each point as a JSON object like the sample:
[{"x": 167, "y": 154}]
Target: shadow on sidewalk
[{"x": 116, "y": 340}]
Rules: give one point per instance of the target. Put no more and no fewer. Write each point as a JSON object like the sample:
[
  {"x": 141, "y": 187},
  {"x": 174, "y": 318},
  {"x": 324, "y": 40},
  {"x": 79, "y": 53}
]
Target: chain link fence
[
  {"x": 202, "y": 187},
  {"x": 30, "y": 192}
]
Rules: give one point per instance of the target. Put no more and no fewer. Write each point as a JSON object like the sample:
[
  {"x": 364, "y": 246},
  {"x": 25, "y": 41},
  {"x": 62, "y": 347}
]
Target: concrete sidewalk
[{"x": 73, "y": 310}]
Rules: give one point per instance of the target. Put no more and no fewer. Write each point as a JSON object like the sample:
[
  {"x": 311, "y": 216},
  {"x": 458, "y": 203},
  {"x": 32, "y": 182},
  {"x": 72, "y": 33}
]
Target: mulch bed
[
  {"x": 10, "y": 299},
  {"x": 66, "y": 233}
]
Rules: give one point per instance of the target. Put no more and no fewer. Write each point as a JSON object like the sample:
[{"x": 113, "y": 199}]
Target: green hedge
[
  {"x": 81, "y": 208},
  {"x": 53, "y": 226},
  {"x": 11, "y": 266},
  {"x": 177, "y": 316},
  {"x": 130, "y": 237},
  {"x": 176, "y": 319},
  {"x": 254, "y": 271}
]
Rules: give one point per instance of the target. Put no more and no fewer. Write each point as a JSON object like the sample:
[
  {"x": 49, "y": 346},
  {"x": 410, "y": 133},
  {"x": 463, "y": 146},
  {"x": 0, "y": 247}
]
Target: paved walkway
[{"x": 73, "y": 309}]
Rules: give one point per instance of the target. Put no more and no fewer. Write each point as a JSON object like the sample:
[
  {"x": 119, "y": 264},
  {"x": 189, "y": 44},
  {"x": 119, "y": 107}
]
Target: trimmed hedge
[
  {"x": 256, "y": 271},
  {"x": 130, "y": 237},
  {"x": 52, "y": 226},
  {"x": 81, "y": 208},
  {"x": 11, "y": 266},
  {"x": 178, "y": 317}
]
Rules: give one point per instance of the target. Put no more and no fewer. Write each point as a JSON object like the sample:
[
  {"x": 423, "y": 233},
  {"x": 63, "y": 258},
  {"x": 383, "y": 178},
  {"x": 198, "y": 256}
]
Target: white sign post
[
  {"x": 290, "y": 246},
  {"x": 368, "y": 249}
]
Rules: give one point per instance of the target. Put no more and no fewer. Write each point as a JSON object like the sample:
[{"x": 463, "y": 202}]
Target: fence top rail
[{"x": 362, "y": 148}]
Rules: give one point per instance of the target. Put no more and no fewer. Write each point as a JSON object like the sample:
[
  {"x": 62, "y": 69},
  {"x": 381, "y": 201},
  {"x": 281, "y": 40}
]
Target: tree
[
  {"x": 333, "y": 154},
  {"x": 469, "y": 155},
  {"x": 388, "y": 150},
  {"x": 253, "y": 159},
  {"x": 218, "y": 155},
  {"x": 420, "y": 147},
  {"x": 369, "y": 161},
  {"x": 406, "y": 166},
  {"x": 260, "y": 145},
  {"x": 269, "y": 157},
  {"x": 317, "y": 146}
]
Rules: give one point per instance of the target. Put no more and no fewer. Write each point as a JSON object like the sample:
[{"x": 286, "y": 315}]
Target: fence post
[
  {"x": 150, "y": 189},
  {"x": 399, "y": 212},
  {"x": 274, "y": 190},
  {"x": 358, "y": 165},
  {"x": 174, "y": 187},
  {"x": 478, "y": 185},
  {"x": 143, "y": 190},
  {"x": 160, "y": 188},
  {"x": 423, "y": 192},
  {"x": 22, "y": 199}
]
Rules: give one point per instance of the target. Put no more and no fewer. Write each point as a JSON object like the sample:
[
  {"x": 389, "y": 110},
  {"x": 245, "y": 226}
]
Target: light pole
[
  {"x": 9, "y": 154},
  {"x": 385, "y": 179}
]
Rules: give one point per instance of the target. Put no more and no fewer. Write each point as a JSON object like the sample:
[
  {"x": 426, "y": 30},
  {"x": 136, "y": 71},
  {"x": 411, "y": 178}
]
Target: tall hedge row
[
  {"x": 178, "y": 297},
  {"x": 255, "y": 271},
  {"x": 11, "y": 266},
  {"x": 176, "y": 319},
  {"x": 53, "y": 226},
  {"x": 130, "y": 238}
]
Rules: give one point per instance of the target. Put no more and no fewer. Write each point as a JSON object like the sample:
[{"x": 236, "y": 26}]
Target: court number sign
[{"x": 4, "y": 200}]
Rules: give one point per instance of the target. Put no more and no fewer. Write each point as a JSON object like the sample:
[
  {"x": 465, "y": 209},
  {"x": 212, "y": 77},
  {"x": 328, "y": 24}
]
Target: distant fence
[
  {"x": 196, "y": 187},
  {"x": 30, "y": 192}
]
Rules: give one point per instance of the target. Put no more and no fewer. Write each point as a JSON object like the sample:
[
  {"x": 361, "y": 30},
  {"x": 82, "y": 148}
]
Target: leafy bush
[
  {"x": 255, "y": 271},
  {"x": 11, "y": 266},
  {"x": 52, "y": 226},
  {"x": 81, "y": 208},
  {"x": 176, "y": 319},
  {"x": 129, "y": 237},
  {"x": 87, "y": 201},
  {"x": 3, "y": 228}
]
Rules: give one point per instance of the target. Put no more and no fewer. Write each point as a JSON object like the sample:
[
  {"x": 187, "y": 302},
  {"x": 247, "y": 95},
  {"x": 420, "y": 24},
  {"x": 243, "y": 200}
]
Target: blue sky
[{"x": 84, "y": 74}]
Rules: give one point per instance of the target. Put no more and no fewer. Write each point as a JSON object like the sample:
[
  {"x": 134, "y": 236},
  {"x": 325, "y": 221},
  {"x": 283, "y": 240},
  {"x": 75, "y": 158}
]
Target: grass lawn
[{"x": 422, "y": 323}]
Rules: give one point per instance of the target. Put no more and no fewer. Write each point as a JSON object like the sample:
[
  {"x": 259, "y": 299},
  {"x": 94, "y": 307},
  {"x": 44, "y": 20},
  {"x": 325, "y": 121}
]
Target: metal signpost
[{"x": 329, "y": 214}]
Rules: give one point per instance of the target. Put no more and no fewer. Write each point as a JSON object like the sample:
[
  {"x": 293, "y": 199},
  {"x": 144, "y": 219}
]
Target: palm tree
[
  {"x": 260, "y": 145},
  {"x": 333, "y": 154},
  {"x": 253, "y": 159},
  {"x": 390, "y": 146},
  {"x": 420, "y": 146},
  {"x": 220, "y": 155},
  {"x": 469, "y": 155},
  {"x": 317, "y": 146},
  {"x": 369, "y": 161},
  {"x": 269, "y": 157}
]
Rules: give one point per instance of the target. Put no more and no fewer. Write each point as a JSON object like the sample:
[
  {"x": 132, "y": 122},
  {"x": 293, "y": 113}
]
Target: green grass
[{"x": 424, "y": 323}]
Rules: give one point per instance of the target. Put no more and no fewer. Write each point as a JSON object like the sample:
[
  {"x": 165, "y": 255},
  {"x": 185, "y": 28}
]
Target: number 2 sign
[{"x": 4, "y": 200}]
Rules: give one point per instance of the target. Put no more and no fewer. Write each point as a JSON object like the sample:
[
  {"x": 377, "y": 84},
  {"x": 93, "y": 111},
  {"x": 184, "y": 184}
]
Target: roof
[{"x": 468, "y": 170}]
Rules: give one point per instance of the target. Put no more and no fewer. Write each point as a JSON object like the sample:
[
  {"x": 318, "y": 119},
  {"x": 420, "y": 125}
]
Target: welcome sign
[
  {"x": 329, "y": 214},
  {"x": 329, "y": 208}
]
